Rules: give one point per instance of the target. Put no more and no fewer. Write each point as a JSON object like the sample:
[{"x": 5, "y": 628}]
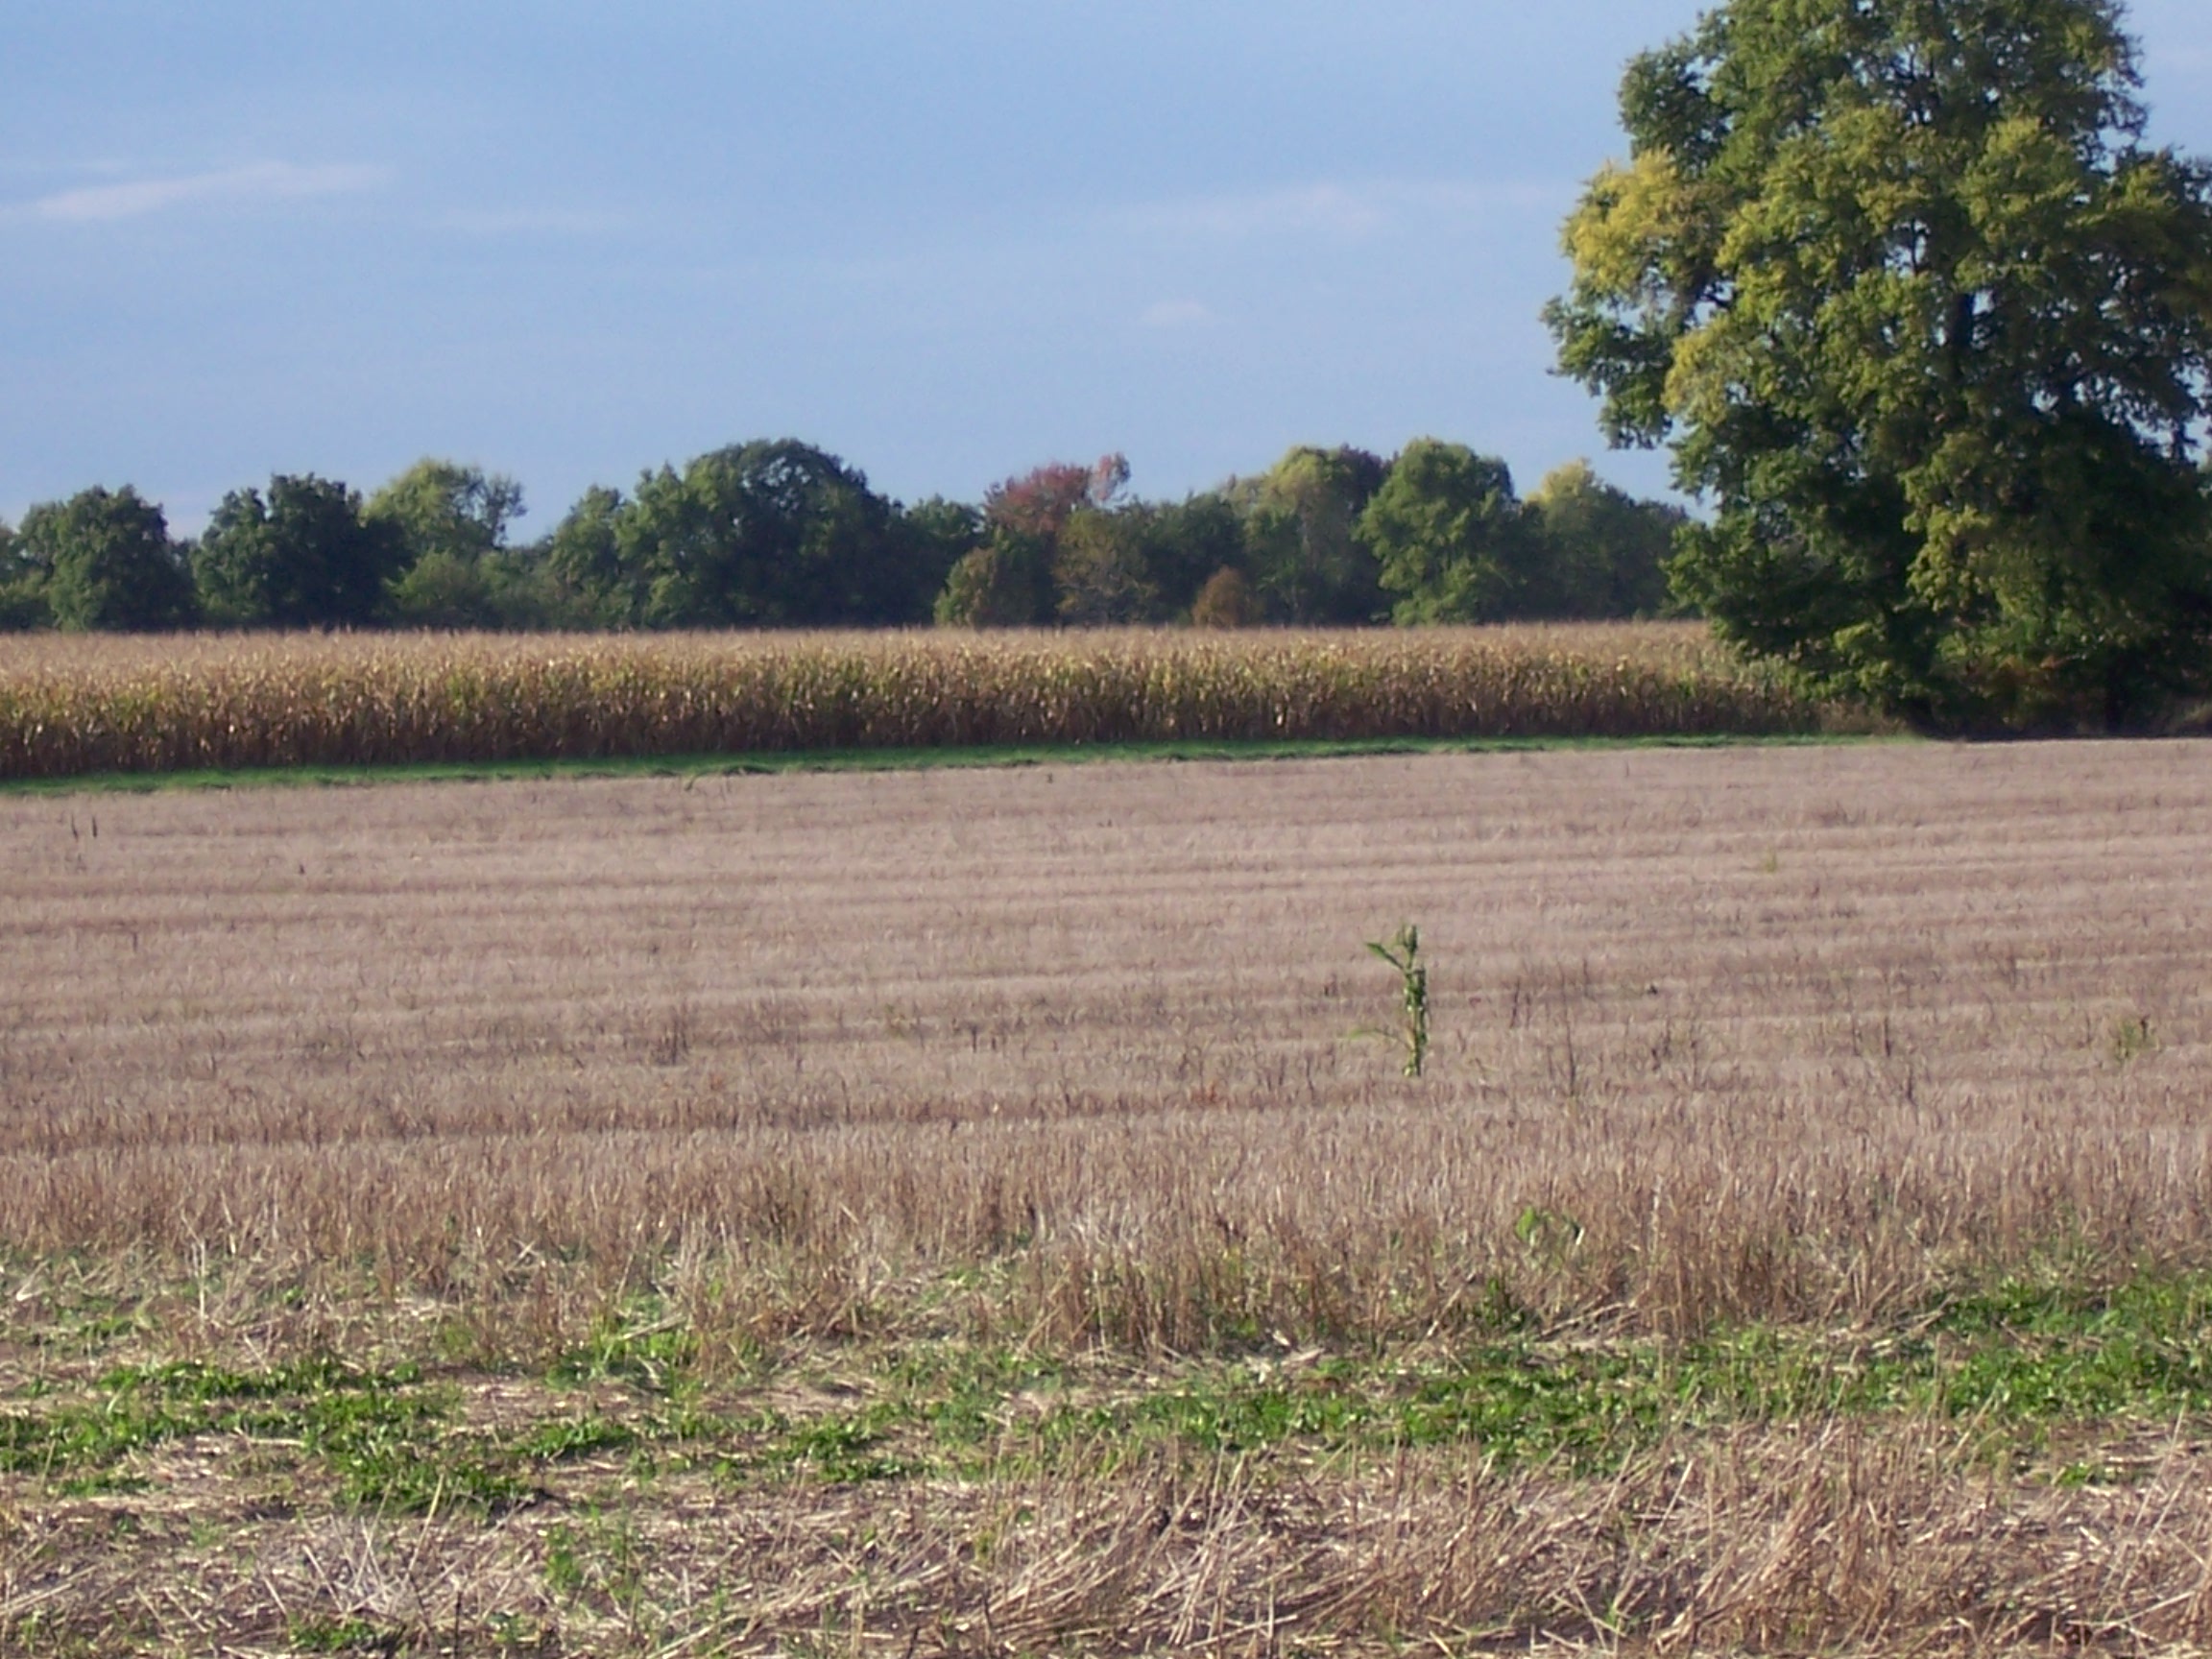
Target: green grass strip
[
  {"x": 2018, "y": 1370},
  {"x": 772, "y": 762}
]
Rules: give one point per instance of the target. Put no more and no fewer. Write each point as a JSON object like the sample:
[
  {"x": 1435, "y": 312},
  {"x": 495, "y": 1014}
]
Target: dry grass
[
  {"x": 1825, "y": 1540},
  {"x": 1062, "y": 1062},
  {"x": 71, "y": 705}
]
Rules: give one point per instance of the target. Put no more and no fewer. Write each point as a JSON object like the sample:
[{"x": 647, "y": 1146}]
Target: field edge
[{"x": 769, "y": 762}]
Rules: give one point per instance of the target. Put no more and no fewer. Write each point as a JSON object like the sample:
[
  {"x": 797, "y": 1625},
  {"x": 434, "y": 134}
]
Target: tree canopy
[
  {"x": 301, "y": 555},
  {"x": 1451, "y": 536},
  {"x": 1929, "y": 326},
  {"x": 452, "y": 523},
  {"x": 1016, "y": 577},
  {"x": 776, "y": 533},
  {"x": 1304, "y": 549},
  {"x": 22, "y": 585},
  {"x": 102, "y": 559},
  {"x": 1605, "y": 552},
  {"x": 772, "y": 532}
]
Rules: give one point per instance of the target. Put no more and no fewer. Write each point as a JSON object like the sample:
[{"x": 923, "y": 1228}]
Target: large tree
[
  {"x": 1189, "y": 543},
  {"x": 107, "y": 562},
  {"x": 22, "y": 585},
  {"x": 1303, "y": 546},
  {"x": 1101, "y": 571},
  {"x": 453, "y": 520},
  {"x": 1929, "y": 326},
  {"x": 1604, "y": 552},
  {"x": 773, "y": 533},
  {"x": 592, "y": 585},
  {"x": 1454, "y": 541},
  {"x": 299, "y": 555},
  {"x": 1011, "y": 578}
]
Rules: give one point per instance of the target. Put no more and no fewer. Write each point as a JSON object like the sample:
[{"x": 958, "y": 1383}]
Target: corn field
[{"x": 70, "y": 707}]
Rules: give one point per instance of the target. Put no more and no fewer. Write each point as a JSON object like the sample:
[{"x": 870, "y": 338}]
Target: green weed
[
  {"x": 2131, "y": 1039},
  {"x": 652, "y": 1355},
  {"x": 1403, "y": 952},
  {"x": 347, "y": 1635}
]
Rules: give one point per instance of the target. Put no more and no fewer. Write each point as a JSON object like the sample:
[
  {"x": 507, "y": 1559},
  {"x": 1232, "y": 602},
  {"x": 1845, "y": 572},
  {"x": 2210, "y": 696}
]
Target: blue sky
[{"x": 948, "y": 239}]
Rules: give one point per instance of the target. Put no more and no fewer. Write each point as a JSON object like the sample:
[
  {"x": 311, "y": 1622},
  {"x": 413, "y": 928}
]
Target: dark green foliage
[
  {"x": 443, "y": 507},
  {"x": 1059, "y": 545},
  {"x": 937, "y": 534},
  {"x": 1456, "y": 545},
  {"x": 302, "y": 556},
  {"x": 587, "y": 581},
  {"x": 1604, "y": 552},
  {"x": 780, "y": 534},
  {"x": 1006, "y": 583},
  {"x": 1453, "y": 541},
  {"x": 1101, "y": 571},
  {"x": 1187, "y": 542},
  {"x": 765, "y": 534},
  {"x": 22, "y": 585},
  {"x": 1014, "y": 578},
  {"x": 1303, "y": 547},
  {"x": 453, "y": 521},
  {"x": 102, "y": 559},
  {"x": 1931, "y": 326}
]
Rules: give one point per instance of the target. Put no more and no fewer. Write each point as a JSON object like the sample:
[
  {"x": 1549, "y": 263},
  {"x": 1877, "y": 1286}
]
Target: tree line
[{"x": 781, "y": 533}]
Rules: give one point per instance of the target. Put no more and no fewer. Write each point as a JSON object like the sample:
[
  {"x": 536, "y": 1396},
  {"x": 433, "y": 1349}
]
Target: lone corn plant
[{"x": 1403, "y": 953}]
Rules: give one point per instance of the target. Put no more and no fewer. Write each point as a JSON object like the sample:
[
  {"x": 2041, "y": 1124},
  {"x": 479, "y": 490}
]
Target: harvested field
[
  {"x": 960, "y": 1210},
  {"x": 69, "y": 706}
]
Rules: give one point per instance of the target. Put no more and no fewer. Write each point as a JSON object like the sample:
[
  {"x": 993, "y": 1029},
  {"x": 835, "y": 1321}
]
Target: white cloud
[
  {"x": 1175, "y": 314},
  {"x": 261, "y": 182}
]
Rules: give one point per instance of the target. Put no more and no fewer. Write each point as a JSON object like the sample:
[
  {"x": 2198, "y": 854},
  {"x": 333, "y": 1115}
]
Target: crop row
[{"x": 302, "y": 700}]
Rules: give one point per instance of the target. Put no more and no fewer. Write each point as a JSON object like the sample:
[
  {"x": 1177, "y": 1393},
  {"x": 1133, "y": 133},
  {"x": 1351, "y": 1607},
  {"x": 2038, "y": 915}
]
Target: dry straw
[{"x": 68, "y": 708}]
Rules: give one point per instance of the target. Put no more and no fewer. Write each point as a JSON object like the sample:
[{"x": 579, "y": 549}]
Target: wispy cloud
[
  {"x": 1329, "y": 209},
  {"x": 1341, "y": 211},
  {"x": 1175, "y": 314},
  {"x": 261, "y": 182},
  {"x": 530, "y": 221}
]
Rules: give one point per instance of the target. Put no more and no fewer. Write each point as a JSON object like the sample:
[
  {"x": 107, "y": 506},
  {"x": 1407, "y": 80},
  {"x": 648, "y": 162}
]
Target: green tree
[
  {"x": 938, "y": 533},
  {"x": 1604, "y": 552},
  {"x": 1100, "y": 573},
  {"x": 588, "y": 581},
  {"x": 1006, "y": 583},
  {"x": 301, "y": 555},
  {"x": 1929, "y": 326},
  {"x": 107, "y": 562},
  {"x": 1303, "y": 548},
  {"x": 1454, "y": 541},
  {"x": 452, "y": 521},
  {"x": 1187, "y": 542},
  {"x": 22, "y": 585},
  {"x": 772, "y": 534}
]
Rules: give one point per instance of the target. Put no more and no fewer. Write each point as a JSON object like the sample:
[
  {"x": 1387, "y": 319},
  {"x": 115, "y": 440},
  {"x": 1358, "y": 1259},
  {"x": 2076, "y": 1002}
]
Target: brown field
[{"x": 1066, "y": 1063}]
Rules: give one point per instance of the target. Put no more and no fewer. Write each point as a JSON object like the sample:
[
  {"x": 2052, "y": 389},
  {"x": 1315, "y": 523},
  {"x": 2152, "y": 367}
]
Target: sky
[{"x": 947, "y": 241}]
